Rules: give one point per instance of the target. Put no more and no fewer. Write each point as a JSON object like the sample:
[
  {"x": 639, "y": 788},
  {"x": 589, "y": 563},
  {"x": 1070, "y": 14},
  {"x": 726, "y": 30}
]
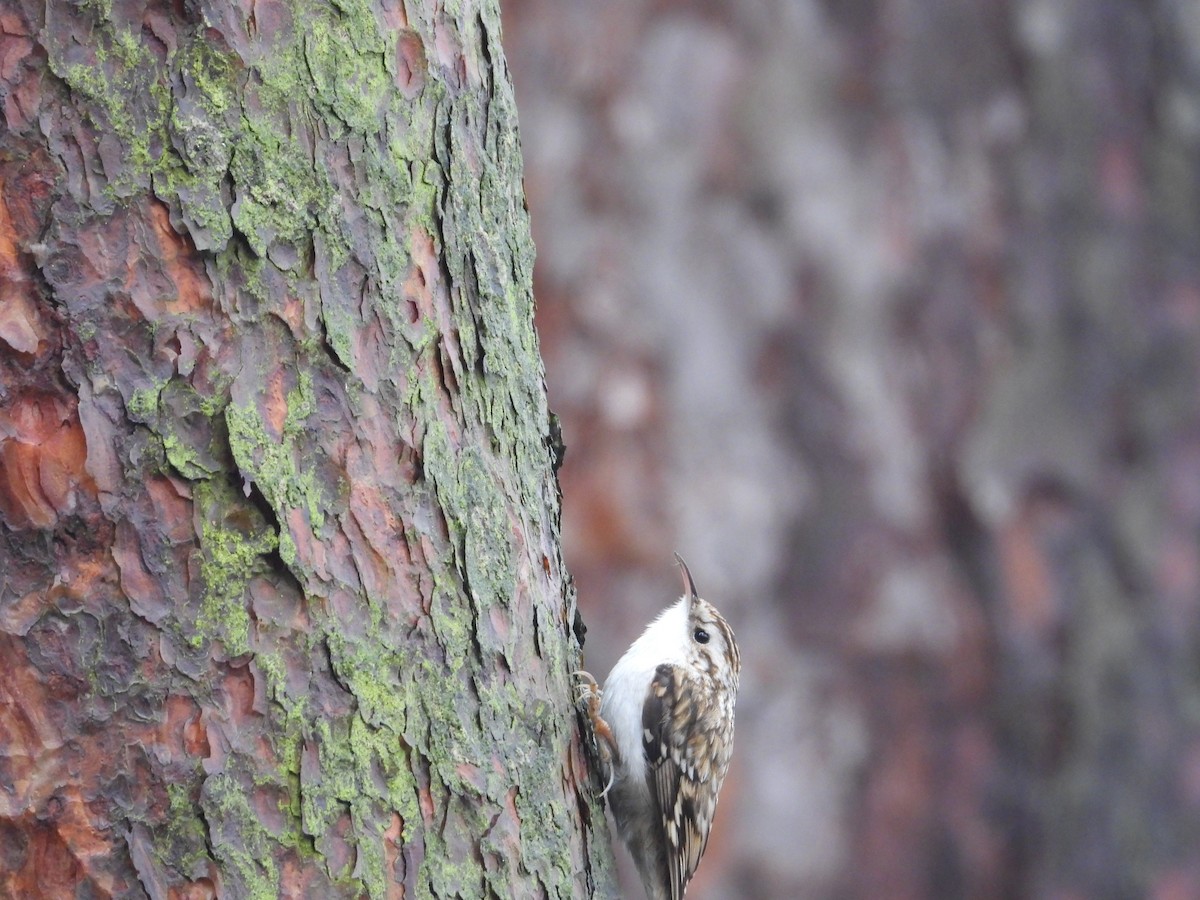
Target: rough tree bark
[{"x": 282, "y": 608}]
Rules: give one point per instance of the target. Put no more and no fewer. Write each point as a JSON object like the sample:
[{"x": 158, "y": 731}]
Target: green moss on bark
[
  {"x": 239, "y": 842},
  {"x": 181, "y": 842},
  {"x": 277, "y": 466},
  {"x": 233, "y": 541},
  {"x": 338, "y": 214}
]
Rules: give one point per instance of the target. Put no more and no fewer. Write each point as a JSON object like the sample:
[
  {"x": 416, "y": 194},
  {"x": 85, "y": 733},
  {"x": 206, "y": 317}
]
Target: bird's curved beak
[{"x": 689, "y": 586}]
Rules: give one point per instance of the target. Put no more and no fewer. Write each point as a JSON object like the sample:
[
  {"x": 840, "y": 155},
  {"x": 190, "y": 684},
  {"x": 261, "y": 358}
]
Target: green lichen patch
[
  {"x": 355, "y": 768},
  {"x": 540, "y": 800},
  {"x": 340, "y": 327},
  {"x": 290, "y": 710},
  {"x": 452, "y": 865},
  {"x": 181, "y": 841},
  {"x": 277, "y": 466},
  {"x": 373, "y": 678},
  {"x": 240, "y": 843},
  {"x": 333, "y": 70},
  {"x": 474, "y": 505},
  {"x": 347, "y": 59},
  {"x": 281, "y": 192},
  {"x": 142, "y": 404},
  {"x": 124, "y": 88},
  {"x": 234, "y": 538},
  {"x": 162, "y": 118},
  {"x": 184, "y": 422},
  {"x": 193, "y": 435},
  {"x": 454, "y": 624},
  {"x": 211, "y": 73}
]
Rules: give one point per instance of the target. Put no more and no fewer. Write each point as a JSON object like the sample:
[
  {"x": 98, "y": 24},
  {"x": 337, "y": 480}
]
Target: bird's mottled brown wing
[{"x": 682, "y": 771}]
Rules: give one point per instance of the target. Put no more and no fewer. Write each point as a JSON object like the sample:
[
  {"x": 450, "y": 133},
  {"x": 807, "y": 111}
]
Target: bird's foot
[{"x": 590, "y": 696}]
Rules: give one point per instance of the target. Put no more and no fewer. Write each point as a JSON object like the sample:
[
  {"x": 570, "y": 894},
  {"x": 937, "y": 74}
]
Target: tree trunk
[{"x": 282, "y": 607}]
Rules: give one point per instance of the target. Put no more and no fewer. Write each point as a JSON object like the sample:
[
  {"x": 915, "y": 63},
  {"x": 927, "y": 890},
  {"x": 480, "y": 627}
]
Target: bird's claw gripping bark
[{"x": 590, "y": 695}]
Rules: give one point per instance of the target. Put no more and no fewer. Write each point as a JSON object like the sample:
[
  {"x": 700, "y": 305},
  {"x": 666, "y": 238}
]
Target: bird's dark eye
[{"x": 701, "y": 636}]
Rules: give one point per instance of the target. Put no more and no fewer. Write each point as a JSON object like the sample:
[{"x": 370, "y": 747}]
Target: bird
[{"x": 663, "y": 725}]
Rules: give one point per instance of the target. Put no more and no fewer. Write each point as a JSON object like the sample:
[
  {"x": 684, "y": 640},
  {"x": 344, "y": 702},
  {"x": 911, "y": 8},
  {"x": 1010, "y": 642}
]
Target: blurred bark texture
[
  {"x": 282, "y": 610},
  {"x": 886, "y": 314}
]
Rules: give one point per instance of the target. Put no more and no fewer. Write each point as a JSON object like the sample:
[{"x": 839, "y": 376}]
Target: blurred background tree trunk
[
  {"x": 282, "y": 608},
  {"x": 886, "y": 315}
]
